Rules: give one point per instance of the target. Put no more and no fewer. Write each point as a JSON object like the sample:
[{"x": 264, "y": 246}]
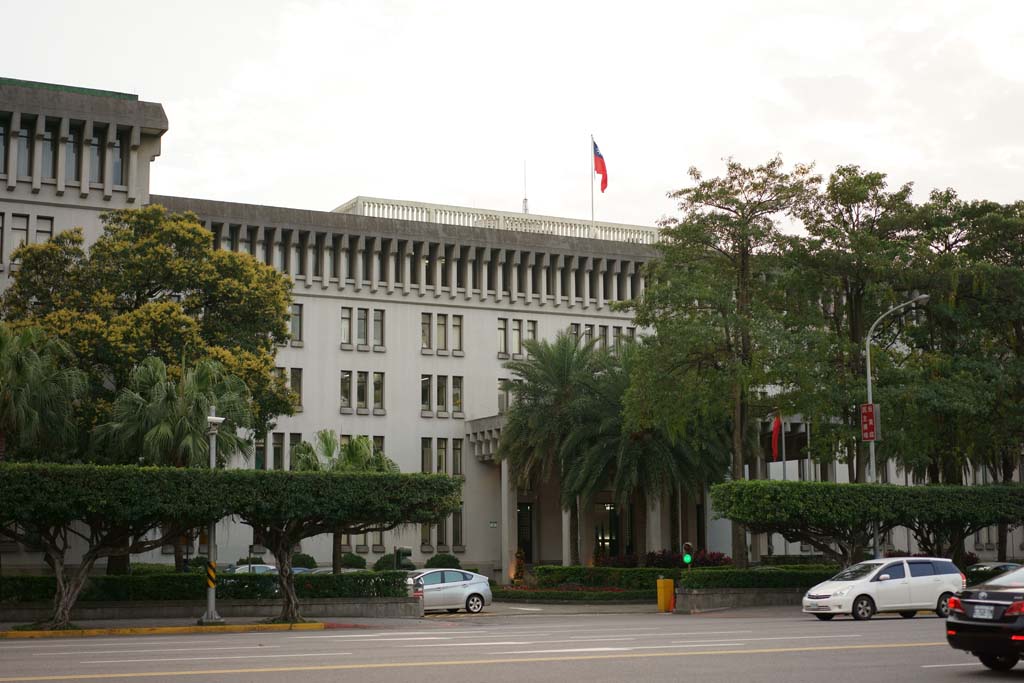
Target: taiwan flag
[
  {"x": 599, "y": 167},
  {"x": 776, "y": 432}
]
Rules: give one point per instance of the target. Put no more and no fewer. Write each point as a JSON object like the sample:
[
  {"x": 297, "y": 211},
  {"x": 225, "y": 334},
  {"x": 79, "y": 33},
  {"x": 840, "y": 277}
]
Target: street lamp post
[
  {"x": 211, "y": 616},
  {"x": 921, "y": 299}
]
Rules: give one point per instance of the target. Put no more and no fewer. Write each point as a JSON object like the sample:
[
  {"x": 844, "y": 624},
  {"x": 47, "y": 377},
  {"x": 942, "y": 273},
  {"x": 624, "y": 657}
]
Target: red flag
[
  {"x": 599, "y": 167},
  {"x": 776, "y": 431}
]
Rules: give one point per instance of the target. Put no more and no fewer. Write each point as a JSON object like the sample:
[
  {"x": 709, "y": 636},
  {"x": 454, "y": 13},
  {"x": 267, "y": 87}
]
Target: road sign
[{"x": 870, "y": 428}]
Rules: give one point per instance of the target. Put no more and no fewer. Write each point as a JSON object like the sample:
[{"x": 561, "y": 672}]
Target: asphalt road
[{"x": 755, "y": 645}]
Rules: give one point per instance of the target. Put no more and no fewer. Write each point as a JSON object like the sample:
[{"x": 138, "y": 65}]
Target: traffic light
[
  {"x": 403, "y": 555},
  {"x": 687, "y": 554}
]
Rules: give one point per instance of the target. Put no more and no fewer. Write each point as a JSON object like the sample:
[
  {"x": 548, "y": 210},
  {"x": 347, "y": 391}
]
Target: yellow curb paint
[
  {"x": 460, "y": 662},
  {"x": 161, "y": 630}
]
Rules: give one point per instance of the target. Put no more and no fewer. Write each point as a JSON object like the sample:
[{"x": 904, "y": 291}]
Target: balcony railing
[{"x": 498, "y": 220}]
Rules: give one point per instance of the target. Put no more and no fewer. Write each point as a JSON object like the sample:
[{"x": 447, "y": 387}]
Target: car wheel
[
  {"x": 453, "y": 611},
  {"x": 999, "y": 662},
  {"x": 909, "y": 614},
  {"x": 863, "y": 608},
  {"x": 825, "y": 617},
  {"x": 474, "y": 604},
  {"x": 942, "y": 609}
]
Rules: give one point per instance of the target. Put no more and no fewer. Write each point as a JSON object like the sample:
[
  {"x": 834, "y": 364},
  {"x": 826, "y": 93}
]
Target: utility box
[{"x": 666, "y": 590}]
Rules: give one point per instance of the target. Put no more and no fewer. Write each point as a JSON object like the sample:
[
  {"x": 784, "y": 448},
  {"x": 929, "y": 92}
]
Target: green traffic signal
[{"x": 687, "y": 558}]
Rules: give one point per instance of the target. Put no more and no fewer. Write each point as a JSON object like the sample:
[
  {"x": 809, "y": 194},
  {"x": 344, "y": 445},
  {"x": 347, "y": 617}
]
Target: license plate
[
  {"x": 982, "y": 612},
  {"x": 812, "y": 605}
]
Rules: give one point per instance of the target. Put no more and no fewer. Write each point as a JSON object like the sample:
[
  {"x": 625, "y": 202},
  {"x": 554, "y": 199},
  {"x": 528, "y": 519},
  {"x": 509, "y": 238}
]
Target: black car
[{"x": 987, "y": 620}]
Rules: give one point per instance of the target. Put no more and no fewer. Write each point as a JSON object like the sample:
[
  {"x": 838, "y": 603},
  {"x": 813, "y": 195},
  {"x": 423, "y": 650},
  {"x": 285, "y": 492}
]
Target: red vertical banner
[{"x": 869, "y": 427}]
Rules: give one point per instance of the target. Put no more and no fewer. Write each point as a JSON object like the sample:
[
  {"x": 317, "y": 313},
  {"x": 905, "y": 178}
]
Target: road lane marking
[
  {"x": 522, "y": 642},
  {"x": 611, "y": 649},
  {"x": 942, "y": 666},
  {"x": 461, "y": 662},
  {"x": 193, "y": 659},
  {"x": 528, "y": 609},
  {"x": 175, "y": 649}
]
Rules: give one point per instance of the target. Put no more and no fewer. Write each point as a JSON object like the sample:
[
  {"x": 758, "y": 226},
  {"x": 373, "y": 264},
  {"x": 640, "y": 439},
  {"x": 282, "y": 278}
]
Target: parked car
[
  {"x": 450, "y": 589},
  {"x": 983, "y": 571},
  {"x": 903, "y": 585},
  {"x": 987, "y": 620},
  {"x": 301, "y": 570},
  {"x": 255, "y": 569}
]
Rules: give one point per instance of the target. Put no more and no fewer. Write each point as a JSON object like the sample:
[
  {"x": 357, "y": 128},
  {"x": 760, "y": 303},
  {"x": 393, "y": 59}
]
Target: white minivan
[{"x": 895, "y": 584}]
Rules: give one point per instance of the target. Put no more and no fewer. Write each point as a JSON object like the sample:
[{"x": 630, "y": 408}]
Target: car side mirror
[{"x": 884, "y": 577}]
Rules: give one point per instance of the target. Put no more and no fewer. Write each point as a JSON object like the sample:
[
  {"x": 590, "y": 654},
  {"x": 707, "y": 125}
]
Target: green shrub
[
  {"x": 443, "y": 561},
  {"x": 141, "y": 568},
  {"x": 353, "y": 561},
  {"x": 384, "y": 563},
  {"x": 251, "y": 560},
  {"x": 385, "y": 584},
  {"x": 646, "y": 579},
  {"x": 303, "y": 561}
]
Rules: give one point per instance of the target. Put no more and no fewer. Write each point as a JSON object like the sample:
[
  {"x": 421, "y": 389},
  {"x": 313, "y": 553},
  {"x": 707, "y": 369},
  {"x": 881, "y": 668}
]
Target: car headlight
[{"x": 842, "y": 592}]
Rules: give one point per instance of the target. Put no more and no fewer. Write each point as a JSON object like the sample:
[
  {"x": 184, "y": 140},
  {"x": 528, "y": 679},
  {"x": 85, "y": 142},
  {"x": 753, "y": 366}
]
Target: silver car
[{"x": 451, "y": 589}]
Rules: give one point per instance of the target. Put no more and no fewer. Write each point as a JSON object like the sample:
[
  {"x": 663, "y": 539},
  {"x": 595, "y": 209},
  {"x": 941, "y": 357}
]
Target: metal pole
[
  {"x": 785, "y": 543},
  {"x": 592, "y": 169},
  {"x": 211, "y": 616}
]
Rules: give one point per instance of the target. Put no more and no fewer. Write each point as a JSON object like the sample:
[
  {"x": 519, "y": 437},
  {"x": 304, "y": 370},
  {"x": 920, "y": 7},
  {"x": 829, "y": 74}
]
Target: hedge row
[
  {"x": 646, "y": 579},
  {"x": 193, "y": 587},
  {"x": 574, "y": 596}
]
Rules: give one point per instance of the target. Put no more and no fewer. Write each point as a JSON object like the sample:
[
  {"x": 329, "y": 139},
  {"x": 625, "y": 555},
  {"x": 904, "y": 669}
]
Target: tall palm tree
[
  {"x": 38, "y": 390},
  {"x": 327, "y": 453},
  {"x": 544, "y": 389},
  {"x": 160, "y": 420}
]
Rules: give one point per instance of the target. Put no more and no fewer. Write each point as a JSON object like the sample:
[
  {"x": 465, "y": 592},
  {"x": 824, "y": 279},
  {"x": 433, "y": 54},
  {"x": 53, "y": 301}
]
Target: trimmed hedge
[
  {"x": 443, "y": 561},
  {"x": 646, "y": 579},
  {"x": 15, "y": 589},
  {"x": 573, "y": 596}
]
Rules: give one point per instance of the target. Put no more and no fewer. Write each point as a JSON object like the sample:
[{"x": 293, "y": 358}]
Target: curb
[{"x": 170, "y": 630}]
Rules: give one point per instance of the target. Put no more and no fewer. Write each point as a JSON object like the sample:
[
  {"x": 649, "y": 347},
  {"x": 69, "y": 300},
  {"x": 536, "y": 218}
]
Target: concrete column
[
  {"x": 613, "y": 295},
  {"x": 342, "y": 262},
  {"x": 587, "y": 269},
  {"x": 628, "y": 293},
  {"x": 360, "y": 250},
  {"x": 543, "y": 263},
  {"x": 499, "y": 282},
  {"x": 531, "y": 260},
  {"x": 62, "y": 158},
  {"x": 471, "y": 269},
  {"x": 37, "y": 154},
  {"x": 407, "y": 256},
  {"x": 566, "y": 538},
  {"x": 375, "y": 265},
  {"x": 602, "y": 266},
  {"x": 133, "y": 163},
  {"x": 485, "y": 274},
  {"x": 639, "y": 285},
  {"x": 421, "y": 263},
  {"x": 454, "y": 266},
  {"x": 108, "y": 161},
  {"x": 572, "y": 263},
  {"x": 303, "y": 250},
  {"x": 558, "y": 263},
  {"x": 654, "y": 535},
  {"x": 84, "y": 159},
  {"x": 325, "y": 256},
  {"x": 514, "y": 284},
  {"x": 12, "y": 151},
  {"x": 393, "y": 263},
  {"x": 508, "y": 523},
  {"x": 587, "y": 534},
  {"x": 435, "y": 265}
]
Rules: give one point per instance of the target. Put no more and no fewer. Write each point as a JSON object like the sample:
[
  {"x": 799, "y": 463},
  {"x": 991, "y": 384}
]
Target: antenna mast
[{"x": 526, "y": 205}]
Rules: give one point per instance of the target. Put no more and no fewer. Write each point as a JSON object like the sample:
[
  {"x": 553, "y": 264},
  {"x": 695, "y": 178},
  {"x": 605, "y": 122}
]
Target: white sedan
[{"x": 451, "y": 589}]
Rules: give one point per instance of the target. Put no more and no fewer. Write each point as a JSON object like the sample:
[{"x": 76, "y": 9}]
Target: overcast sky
[{"x": 308, "y": 104}]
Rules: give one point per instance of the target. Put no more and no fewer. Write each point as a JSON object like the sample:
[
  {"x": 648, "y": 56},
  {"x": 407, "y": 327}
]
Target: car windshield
[
  {"x": 857, "y": 571},
  {"x": 1014, "y": 579}
]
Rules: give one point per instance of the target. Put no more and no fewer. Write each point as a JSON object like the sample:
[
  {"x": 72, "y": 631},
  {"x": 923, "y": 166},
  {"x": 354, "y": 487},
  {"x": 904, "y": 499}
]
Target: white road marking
[
  {"x": 522, "y": 642},
  {"x": 174, "y": 649},
  {"x": 609, "y": 649},
  {"x": 751, "y": 640},
  {"x": 942, "y": 666},
  {"x": 194, "y": 659},
  {"x": 528, "y": 609}
]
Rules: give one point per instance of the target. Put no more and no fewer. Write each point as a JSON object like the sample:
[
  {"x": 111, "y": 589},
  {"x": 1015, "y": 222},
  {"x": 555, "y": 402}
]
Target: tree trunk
[
  {"x": 286, "y": 582},
  {"x": 336, "y": 538},
  {"x": 739, "y": 533},
  {"x": 119, "y": 565},
  {"x": 1007, "y": 467},
  {"x": 574, "y": 534},
  {"x": 67, "y": 590}
]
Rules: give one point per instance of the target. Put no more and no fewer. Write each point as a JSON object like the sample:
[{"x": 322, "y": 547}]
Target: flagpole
[
  {"x": 592, "y": 185},
  {"x": 785, "y": 543}
]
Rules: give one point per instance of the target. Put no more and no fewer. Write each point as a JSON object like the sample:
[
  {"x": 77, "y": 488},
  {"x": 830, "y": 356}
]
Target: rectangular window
[
  {"x": 297, "y": 383},
  {"x": 425, "y": 392},
  {"x": 260, "y": 454},
  {"x": 442, "y": 394},
  {"x": 426, "y": 456},
  {"x": 378, "y": 391},
  {"x": 502, "y": 397},
  {"x": 456, "y": 333},
  {"x": 293, "y": 441},
  {"x": 574, "y": 328},
  {"x": 531, "y": 330},
  {"x": 318, "y": 256},
  {"x": 631, "y": 333},
  {"x": 73, "y": 154},
  {"x": 442, "y": 456},
  {"x": 442, "y": 532},
  {"x": 456, "y": 394},
  {"x": 19, "y": 231},
  {"x": 297, "y": 322},
  {"x": 361, "y": 380},
  {"x": 346, "y": 325},
  {"x": 616, "y": 337},
  {"x": 4, "y": 128},
  {"x": 602, "y": 336},
  {"x": 378, "y": 444},
  {"x": 44, "y": 229},
  {"x": 278, "y": 450},
  {"x": 346, "y": 388},
  {"x": 378, "y": 327},
  {"x": 425, "y": 534},
  {"x": 457, "y": 539},
  {"x": 362, "y": 316},
  {"x": 588, "y": 333},
  {"x": 96, "y": 143},
  {"x": 25, "y": 146},
  {"x": 442, "y": 332},
  {"x": 517, "y": 337},
  {"x": 425, "y": 331},
  {"x": 456, "y": 456},
  {"x": 51, "y": 135},
  {"x": 502, "y": 335},
  {"x": 301, "y": 251},
  {"x": 283, "y": 252}
]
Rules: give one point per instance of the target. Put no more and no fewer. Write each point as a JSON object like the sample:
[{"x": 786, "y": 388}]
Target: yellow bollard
[{"x": 665, "y": 589}]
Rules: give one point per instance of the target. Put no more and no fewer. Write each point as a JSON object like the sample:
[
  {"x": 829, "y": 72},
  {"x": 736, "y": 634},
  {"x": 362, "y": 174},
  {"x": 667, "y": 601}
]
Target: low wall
[
  {"x": 184, "y": 609},
  {"x": 697, "y": 600}
]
